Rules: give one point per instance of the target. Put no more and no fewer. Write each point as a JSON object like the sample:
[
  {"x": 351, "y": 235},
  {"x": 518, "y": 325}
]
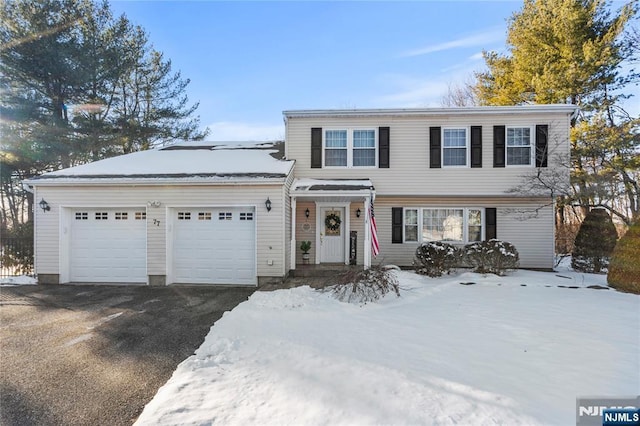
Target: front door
[{"x": 332, "y": 235}]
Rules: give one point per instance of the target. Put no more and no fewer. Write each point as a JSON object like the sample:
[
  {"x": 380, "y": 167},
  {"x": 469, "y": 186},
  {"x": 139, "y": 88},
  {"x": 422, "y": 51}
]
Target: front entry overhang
[{"x": 333, "y": 191}]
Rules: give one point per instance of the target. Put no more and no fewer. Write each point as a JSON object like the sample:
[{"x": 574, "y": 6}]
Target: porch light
[
  {"x": 306, "y": 213},
  {"x": 267, "y": 204},
  {"x": 358, "y": 212},
  {"x": 44, "y": 205}
]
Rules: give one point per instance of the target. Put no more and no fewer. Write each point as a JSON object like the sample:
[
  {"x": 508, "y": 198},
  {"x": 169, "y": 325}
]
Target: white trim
[
  {"x": 467, "y": 146},
  {"x": 293, "y": 242},
  {"x": 346, "y": 223},
  {"x": 418, "y": 224},
  {"x": 465, "y": 223},
  {"x": 521, "y": 109},
  {"x": 532, "y": 145},
  {"x": 367, "y": 233}
]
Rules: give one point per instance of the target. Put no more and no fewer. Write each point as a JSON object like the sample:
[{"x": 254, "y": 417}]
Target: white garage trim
[
  {"x": 103, "y": 244},
  {"x": 212, "y": 244}
]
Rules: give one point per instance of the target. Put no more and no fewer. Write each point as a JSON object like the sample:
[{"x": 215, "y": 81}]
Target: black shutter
[
  {"x": 396, "y": 225},
  {"x": 498, "y": 146},
  {"x": 316, "y": 148},
  {"x": 434, "y": 147},
  {"x": 476, "y": 146},
  {"x": 383, "y": 147},
  {"x": 541, "y": 145},
  {"x": 490, "y": 219}
]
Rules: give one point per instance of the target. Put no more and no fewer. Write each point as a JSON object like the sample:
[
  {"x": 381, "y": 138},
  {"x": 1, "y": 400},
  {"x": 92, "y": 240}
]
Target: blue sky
[{"x": 249, "y": 61}]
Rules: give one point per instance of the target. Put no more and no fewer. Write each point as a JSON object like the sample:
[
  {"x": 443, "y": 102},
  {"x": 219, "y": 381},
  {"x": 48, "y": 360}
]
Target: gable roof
[{"x": 182, "y": 161}]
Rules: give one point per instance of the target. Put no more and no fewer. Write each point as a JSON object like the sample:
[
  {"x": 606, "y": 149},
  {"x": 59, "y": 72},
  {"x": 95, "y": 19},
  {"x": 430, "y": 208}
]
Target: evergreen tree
[
  {"x": 573, "y": 51},
  {"x": 594, "y": 243},
  {"x": 79, "y": 85}
]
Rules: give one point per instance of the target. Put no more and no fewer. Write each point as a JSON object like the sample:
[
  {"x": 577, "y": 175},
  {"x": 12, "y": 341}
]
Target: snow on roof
[
  {"x": 332, "y": 185},
  {"x": 183, "y": 160}
]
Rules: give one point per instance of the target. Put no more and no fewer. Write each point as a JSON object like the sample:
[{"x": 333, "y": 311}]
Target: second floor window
[
  {"x": 454, "y": 147},
  {"x": 335, "y": 152},
  {"x": 350, "y": 148},
  {"x": 519, "y": 146}
]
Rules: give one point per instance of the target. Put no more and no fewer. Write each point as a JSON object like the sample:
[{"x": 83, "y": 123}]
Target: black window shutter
[
  {"x": 490, "y": 218},
  {"x": 396, "y": 225},
  {"x": 541, "y": 145},
  {"x": 498, "y": 146},
  {"x": 476, "y": 146},
  {"x": 316, "y": 148},
  {"x": 383, "y": 147},
  {"x": 434, "y": 148}
]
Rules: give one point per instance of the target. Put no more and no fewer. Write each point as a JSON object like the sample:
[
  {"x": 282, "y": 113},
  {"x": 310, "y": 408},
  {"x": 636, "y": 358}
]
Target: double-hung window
[
  {"x": 455, "y": 225},
  {"x": 350, "y": 148},
  {"x": 519, "y": 149},
  {"x": 455, "y": 147},
  {"x": 335, "y": 148},
  {"x": 364, "y": 148}
]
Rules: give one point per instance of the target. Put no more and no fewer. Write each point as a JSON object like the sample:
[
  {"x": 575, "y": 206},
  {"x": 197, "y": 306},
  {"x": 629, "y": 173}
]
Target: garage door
[
  {"x": 214, "y": 245},
  {"x": 108, "y": 245}
]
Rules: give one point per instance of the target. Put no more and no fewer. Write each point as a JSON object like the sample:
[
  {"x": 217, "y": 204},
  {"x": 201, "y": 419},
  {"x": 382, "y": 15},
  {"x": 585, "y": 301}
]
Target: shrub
[
  {"x": 363, "y": 286},
  {"x": 435, "y": 258},
  {"x": 492, "y": 256},
  {"x": 594, "y": 243},
  {"x": 624, "y": 269}
]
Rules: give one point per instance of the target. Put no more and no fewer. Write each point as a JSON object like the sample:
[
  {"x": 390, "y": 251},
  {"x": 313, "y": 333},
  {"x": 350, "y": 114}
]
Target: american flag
[{"x": 375, "y": 245}]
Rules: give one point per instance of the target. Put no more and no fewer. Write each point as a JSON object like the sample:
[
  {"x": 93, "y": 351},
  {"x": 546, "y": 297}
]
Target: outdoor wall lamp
[
  {"x": 358, "y": 212},
  {"x": 44, "y": 205},
  {"x": 267, "y": 204},
  {"x": 306, "y": 213}
]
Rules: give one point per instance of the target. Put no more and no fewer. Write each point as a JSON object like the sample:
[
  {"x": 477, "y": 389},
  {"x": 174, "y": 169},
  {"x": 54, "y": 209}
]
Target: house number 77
[{"x": 156, "y": 222}]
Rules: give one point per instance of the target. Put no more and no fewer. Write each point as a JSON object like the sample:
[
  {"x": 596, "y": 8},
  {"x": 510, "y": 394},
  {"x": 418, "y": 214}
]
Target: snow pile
[
  {"x": 507, "y": 350},
  {"x": 20, "y": 280}
]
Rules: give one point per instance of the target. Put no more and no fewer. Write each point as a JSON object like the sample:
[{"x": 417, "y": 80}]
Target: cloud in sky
[
  {"x": 479, "y": 39},
  {"x": 424, "y": 91},
  {"x": 235, "y": 131}
]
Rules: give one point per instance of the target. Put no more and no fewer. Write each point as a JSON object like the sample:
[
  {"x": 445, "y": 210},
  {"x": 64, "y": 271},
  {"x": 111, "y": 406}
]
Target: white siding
[
  {"x": 517, "y": 223},
  {"x": 409, "y": 172},
  {"x": 270, "y": 241}
]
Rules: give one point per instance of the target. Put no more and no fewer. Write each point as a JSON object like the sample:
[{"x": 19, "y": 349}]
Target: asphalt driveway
[{"x": 97, "y": 354}]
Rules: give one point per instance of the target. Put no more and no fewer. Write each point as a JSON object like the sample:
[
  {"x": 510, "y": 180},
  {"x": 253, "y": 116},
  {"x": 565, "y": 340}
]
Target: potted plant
[{"x": 305, "y": 246}]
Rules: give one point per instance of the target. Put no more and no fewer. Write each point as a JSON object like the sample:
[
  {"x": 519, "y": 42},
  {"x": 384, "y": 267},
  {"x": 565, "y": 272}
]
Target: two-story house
[{"x": 201, "y": 213}]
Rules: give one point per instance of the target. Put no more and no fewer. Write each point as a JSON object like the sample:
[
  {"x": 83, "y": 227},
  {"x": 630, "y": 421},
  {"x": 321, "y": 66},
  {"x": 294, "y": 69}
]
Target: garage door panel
[
  {"x": 106, "y": 249},
  {"x": 214, "y": 245}
]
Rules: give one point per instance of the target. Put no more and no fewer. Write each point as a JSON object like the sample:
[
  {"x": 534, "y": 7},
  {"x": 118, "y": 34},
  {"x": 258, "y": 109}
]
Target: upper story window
[
  {"x": 335, "y": 148},
  {"x": 350, "y": 148},
  {"x": 455, "y": 146},
  {"x": 519, "y": 148}
]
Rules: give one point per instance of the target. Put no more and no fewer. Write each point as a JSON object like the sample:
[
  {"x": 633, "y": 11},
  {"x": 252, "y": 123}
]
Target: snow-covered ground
[
  {"x": 510, "y": 350},
  {"x": 19, "y": 280}
]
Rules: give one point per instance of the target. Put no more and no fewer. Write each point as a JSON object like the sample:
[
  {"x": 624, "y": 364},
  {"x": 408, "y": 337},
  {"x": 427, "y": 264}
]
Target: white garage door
[
  {"x": 214, "y": 245},
  {"x": 108, "y": 245}
]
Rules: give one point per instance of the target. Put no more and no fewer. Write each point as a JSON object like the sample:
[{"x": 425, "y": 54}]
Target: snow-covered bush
[
  {"x": 363, "y": 286},
  {"x": 492, "y": 256},
  {"x": 624, "y": 269},
  {"x": 594, "y": 243},
  {"x": 435, "y": 258}
]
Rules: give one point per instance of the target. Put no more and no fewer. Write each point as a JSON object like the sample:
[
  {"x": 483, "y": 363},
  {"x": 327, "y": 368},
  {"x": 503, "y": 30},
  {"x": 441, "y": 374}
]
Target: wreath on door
[{"x": 332, "y": 222}]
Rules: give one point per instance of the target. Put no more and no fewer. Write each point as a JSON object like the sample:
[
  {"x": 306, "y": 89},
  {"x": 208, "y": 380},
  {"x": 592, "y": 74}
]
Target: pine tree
[{"x": 594, "y": 243}]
